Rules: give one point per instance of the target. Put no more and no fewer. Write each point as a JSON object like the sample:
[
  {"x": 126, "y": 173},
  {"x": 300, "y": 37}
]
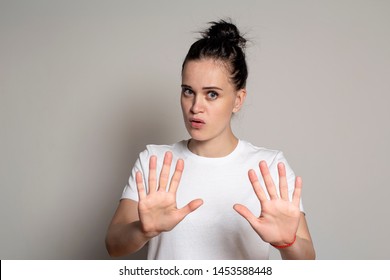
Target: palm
[
  {"x": 157, "y": 209},
  {"x": 279, "y": 217},
  {"x": 277, "y": 220}
]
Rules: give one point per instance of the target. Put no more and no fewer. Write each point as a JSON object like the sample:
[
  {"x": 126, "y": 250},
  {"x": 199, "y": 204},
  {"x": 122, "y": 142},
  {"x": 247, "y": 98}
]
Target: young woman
[{"x": 213, "y": 196}]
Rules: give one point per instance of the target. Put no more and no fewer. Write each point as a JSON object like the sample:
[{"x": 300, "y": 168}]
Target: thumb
[
  {"x": 245, "y": 212},
  {"x": 190, "y": 207}
]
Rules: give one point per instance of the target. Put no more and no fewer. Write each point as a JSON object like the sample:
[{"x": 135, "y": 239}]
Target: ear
[{"x": 240, "y": 98}]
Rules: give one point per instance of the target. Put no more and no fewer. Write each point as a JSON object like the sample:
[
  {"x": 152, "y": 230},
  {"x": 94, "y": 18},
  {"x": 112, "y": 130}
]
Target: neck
[{"x": 213, "y": 148}]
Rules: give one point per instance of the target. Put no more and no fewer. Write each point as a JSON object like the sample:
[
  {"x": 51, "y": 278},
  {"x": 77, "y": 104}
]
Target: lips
[{"x": 196, "y": 122}]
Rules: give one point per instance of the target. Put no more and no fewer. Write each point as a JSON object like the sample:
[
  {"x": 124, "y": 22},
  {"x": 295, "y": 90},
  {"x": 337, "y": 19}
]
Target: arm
[
  {"x": 125, "y": 235},
  {"x": 303, "y": 248},
  {"x": 135, "y": 223},
  {"x": 280, "y": 222}
]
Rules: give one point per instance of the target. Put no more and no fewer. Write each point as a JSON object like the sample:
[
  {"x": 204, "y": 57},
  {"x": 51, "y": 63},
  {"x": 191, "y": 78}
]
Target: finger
[
  {"x": 246, "y": 213},
  {"x": 140, "y": 185},
  {"x": 283, "y": 186},
  {"x": 152, "y": 174},
  {"x": 297, "y": 191},
  {"x": 164, "y": 175},
  {"x": 269, "y": 182},
  {"x": 190, "y": 207},
  {"x": 175, "y": 181},
  {"x": 256, "y": 186}
]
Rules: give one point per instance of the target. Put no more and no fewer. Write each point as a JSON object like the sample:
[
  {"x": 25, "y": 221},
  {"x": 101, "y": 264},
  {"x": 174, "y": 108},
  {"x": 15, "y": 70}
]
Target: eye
[
  {"x": 186, "y": 91},
  {"x": 212, "y": 95}
]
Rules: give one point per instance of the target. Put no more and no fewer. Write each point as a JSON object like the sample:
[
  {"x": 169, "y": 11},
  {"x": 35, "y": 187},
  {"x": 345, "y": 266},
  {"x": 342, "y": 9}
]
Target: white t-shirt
[{"x": 215, "y": 230}]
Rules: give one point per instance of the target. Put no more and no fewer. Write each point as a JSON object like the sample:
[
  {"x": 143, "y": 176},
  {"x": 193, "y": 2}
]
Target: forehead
[{"x": 205, "y": 72}]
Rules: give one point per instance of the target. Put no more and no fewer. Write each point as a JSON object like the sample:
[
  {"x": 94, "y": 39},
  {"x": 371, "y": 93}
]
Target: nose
[{"x": 197, "y": 105}]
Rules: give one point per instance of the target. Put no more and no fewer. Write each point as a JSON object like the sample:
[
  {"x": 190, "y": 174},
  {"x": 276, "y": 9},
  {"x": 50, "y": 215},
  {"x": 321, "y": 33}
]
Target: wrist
[
  {"x": 285, "y": 245},
  {"x": 148, "y": 233}
]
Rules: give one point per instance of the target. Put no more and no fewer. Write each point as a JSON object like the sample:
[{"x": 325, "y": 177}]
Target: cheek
[
  {"x": 182, "y": 104},
  {"x": 185, "y": 105},
  {"x": 225, "y": 111}
]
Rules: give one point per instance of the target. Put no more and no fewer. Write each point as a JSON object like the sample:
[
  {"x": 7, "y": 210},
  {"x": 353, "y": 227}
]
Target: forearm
[
  {"x": 124, "y": 239},
  {"x": 302, "y": 249}
]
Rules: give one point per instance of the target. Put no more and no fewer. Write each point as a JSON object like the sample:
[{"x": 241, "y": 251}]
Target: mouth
[{"x": 197, "y": 123}]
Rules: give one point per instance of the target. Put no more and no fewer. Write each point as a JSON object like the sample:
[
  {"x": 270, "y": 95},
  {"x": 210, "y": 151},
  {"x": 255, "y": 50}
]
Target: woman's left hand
[{"x": 279, "y": 218}]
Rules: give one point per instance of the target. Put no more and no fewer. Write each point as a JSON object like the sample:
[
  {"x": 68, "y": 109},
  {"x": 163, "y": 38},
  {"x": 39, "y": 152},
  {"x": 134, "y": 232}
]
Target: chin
[{"x": 197, "y": 136}]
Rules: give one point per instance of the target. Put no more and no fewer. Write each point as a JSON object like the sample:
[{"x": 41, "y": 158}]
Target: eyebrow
[{"x": 204, "y": 88}]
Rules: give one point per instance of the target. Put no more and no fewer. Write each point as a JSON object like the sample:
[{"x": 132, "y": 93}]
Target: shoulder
[
  {"x": 254, "y": 151},
  {"x": 255, "y": 154},
  {"x": 160, "y": 150}
]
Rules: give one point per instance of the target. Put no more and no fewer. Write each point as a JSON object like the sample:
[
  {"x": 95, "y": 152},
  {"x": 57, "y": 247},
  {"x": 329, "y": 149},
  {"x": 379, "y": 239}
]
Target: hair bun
[{"x": 225, "y": 31}]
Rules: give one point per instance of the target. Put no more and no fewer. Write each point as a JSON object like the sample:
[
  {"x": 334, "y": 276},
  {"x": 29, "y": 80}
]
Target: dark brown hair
[{"x": 222, "y": 42}]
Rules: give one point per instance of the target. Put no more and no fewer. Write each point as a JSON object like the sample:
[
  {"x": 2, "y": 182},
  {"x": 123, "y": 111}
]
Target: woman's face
[{"x": 208, "y": 99}]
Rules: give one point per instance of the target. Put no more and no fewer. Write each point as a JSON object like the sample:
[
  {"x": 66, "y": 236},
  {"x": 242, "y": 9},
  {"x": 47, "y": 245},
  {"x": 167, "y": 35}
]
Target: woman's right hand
[{"x": 157, "y": 208}]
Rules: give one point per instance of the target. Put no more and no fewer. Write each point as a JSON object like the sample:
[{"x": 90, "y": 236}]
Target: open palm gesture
[
  {"x": 157, "y": 208},
  {"x": 279, "y": 218}
]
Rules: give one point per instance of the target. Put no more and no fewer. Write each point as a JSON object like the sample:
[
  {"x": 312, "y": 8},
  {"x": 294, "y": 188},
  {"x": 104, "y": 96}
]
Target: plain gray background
[{"x": 85, "y": 85}]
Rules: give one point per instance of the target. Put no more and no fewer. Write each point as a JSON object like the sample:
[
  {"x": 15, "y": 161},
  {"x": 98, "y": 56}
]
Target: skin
[
  {"x": 209, "y": 95},
  {"x": 208, "y": 101}
]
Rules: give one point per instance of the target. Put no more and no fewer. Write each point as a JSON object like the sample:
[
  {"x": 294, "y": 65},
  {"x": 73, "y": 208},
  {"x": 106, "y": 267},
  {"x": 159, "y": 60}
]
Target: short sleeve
[{"x": 141, "y": 164}]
